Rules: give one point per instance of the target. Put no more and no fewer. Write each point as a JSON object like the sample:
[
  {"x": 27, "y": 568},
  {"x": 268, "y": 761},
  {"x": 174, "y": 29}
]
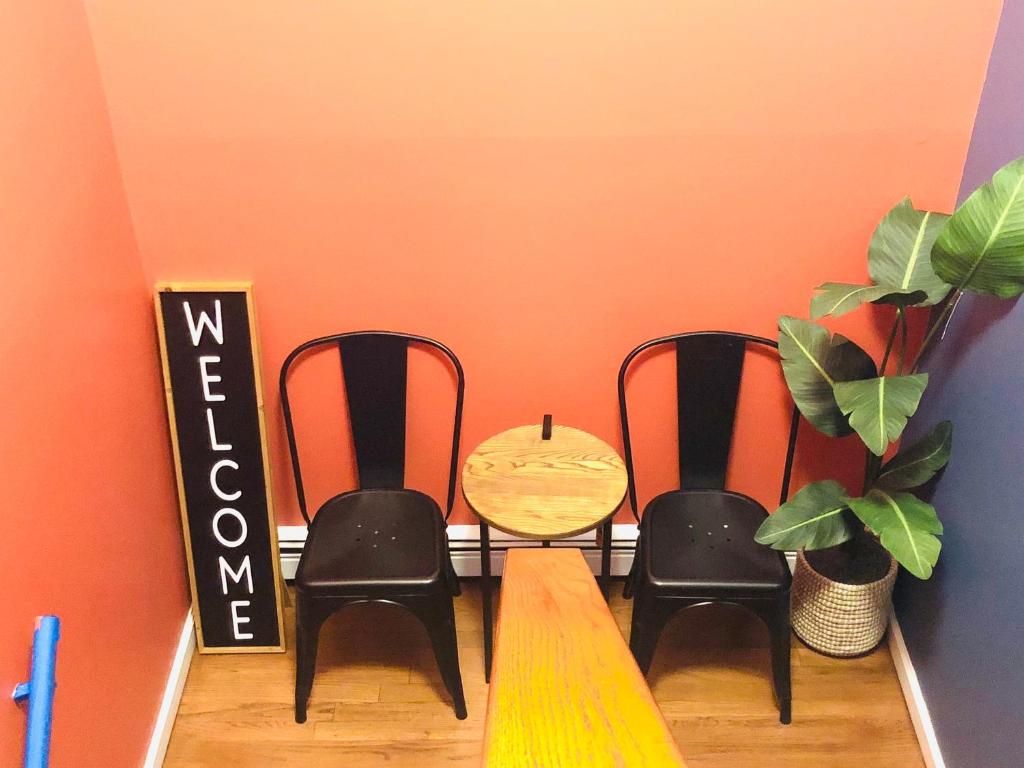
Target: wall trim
[
  {"x": 466, "y": 553},
  {"x": 172, "y": 694},
  {"x": 914, "y": 696},
  {"x": 465, "y": 546}
]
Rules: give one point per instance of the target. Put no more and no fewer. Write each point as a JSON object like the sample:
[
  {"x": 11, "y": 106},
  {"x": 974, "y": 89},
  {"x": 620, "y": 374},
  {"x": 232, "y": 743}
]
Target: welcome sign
[{"x": 215, "y": 408}]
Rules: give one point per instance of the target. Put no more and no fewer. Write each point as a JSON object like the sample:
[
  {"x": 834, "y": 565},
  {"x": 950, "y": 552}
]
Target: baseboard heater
[{"x": 465, "y": 544}]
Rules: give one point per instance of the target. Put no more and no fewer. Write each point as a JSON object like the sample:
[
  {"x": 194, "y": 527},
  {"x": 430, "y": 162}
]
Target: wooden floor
[{"x": 379, "y": 701}]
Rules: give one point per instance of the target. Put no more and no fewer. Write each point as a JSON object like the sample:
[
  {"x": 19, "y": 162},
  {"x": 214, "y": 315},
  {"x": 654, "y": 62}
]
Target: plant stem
[
  {"x": 929, "y": 337},
  {"x": 902, "y": 317},
  {"x": 871, "y": 462},
  {"x": 888, "y": 345},
  {"x": 871, "y": 467}
]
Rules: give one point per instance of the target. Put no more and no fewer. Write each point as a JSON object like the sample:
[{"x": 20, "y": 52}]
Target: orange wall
[
  {"x": 540, "y": 185},
  {"x": 89, "y": 528}
]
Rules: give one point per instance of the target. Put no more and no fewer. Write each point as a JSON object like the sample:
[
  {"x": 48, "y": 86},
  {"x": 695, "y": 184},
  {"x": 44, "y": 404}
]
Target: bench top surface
[{"x": 565, "y": 690}]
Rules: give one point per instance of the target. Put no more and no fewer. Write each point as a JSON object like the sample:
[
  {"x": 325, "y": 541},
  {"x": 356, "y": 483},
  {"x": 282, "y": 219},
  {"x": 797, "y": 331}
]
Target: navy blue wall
[{"x": 965, "y": 627}]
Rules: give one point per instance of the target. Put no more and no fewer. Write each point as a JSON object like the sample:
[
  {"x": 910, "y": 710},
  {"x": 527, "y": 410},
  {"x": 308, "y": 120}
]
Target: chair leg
[
  {"x": 649, "y": 617},
  {"x": 450, "y": 576},
  {"x": 781, "y": 650},
  {"x": 485, "y": 597},
  {"x": 308, "y": 620},
  {"x": 629, "y": 588},
  {"x": 438, "y": 616},
  {"x": 775, "y": 615}
]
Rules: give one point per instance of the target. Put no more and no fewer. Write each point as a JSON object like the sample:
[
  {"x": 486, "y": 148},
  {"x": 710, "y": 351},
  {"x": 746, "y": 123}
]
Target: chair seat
[
  {"x": 369, "y": 538},
  {"x": 703, "y": 540}
]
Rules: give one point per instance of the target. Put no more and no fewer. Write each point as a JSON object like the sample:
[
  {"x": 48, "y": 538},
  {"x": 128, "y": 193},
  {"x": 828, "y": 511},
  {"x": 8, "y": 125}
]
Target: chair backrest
[
  {"x": 375, "y": 376},
  {"x": 709, "y": 366}
]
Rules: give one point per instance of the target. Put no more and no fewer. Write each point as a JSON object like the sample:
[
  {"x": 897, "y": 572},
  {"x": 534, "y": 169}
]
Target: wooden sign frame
[{"x": 246, "y": 288}]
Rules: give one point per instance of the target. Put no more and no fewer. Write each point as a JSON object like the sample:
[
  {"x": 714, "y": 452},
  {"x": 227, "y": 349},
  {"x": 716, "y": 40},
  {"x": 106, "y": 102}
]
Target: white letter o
[{"x": 241, "y": 522}]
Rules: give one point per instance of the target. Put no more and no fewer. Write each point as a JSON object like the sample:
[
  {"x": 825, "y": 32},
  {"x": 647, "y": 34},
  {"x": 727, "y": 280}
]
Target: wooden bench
[{"x": 565, "y": 690}]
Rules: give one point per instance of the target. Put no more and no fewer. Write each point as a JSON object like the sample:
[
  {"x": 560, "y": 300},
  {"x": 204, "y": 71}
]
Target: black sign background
[{"x": 237, "y": 423}]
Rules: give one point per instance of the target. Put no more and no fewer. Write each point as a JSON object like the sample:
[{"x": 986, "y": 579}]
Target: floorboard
[{"x": 378, "y": 699}]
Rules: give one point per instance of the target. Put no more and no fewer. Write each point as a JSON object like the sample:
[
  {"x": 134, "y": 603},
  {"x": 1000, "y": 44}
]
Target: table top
[
  {"x": 544, "y": 489},
  {"x": 565, "y": 690}
]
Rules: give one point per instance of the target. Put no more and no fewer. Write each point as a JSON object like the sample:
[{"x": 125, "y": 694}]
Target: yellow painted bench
[{"x": 565, "y": 690}]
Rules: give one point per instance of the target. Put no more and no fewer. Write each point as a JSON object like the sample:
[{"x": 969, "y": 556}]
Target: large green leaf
[
  {"x": 906, "y": 526},
  {"x": 812, "y": 362},
  {"x": 837, "y": 299},
  {"x": 899, "y": 263},
  {"x": 879, "y": 408},
  {"x": 981, "y": 248},
  {"x": 812, "y": 519},
  {"x": 917, "y": 464},
  {"x": 899, "y": 255}
]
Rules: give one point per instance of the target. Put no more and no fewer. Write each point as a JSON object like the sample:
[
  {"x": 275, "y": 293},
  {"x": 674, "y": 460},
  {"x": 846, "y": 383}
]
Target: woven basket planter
[{"x": 840, "y": 619}]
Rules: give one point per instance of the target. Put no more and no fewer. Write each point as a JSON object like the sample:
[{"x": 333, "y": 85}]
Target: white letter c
[{"x": 213, "y": 480}]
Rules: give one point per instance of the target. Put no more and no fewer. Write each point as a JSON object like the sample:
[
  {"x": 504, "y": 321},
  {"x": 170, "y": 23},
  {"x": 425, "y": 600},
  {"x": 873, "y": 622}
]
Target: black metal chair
[
  {"x": 696, "y": 545},
  {"x": 382, "y": 542}
]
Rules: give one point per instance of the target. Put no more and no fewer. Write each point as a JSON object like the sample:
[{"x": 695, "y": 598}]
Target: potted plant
[{"x": 848, "y": 545}]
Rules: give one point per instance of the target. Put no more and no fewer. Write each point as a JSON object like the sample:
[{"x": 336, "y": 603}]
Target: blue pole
[{"x": 39, "y": 692}]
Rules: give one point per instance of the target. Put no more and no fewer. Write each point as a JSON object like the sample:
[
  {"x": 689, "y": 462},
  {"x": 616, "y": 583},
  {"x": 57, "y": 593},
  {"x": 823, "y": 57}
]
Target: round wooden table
[{"x": 542, "y": 482}]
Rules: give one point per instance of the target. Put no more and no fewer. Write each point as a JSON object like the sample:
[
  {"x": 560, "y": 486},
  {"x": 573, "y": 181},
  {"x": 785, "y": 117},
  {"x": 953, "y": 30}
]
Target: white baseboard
[
  {"x": 466, "y": 557},
  {"x": 915, "y": 697},
  {"x": 172, "y": 694},
  {"x": 465, "y": 551}
]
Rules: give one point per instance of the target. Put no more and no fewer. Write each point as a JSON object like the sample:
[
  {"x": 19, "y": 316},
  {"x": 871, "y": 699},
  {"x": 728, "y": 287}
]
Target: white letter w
[{"x": 196, "y": 330}]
